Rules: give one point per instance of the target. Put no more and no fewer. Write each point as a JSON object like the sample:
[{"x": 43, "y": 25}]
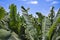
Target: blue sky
[{"x": 42, "y": 6}]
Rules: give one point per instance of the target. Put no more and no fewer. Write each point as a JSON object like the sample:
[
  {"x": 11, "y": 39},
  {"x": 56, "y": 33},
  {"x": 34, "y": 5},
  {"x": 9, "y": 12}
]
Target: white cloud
[
  {"x": 33, "y": 2},
  {"x": 54, "y": 2}
]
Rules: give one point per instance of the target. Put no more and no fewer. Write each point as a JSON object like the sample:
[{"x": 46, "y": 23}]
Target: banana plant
[
  {"x": 53, "y": 28},
  {"x": 30, "y": 30},
  {"x": 15, "y": 21},
  {"x": 54, "y": 33},
  {"x": 2, "y": 12}
]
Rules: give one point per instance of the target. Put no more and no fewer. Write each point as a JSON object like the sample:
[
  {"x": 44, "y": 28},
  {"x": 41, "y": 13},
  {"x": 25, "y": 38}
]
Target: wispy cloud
[
  {"x": 56, "y": 10},
  {"x": 21, "y": 0},
  {"x": 32, "y": 2},
  {"x": 54, "y": 2},
  {"x": 24, "y": 0},
  {"x": 48, "y": 0}
]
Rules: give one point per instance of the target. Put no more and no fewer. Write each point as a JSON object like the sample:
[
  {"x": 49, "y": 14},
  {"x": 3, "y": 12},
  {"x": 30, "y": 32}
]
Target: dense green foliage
[{"x": 27, "y": 27}]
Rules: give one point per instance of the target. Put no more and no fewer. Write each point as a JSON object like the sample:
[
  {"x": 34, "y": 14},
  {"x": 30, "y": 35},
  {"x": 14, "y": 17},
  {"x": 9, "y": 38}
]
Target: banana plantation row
[{"x": 14, "y": 26}]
